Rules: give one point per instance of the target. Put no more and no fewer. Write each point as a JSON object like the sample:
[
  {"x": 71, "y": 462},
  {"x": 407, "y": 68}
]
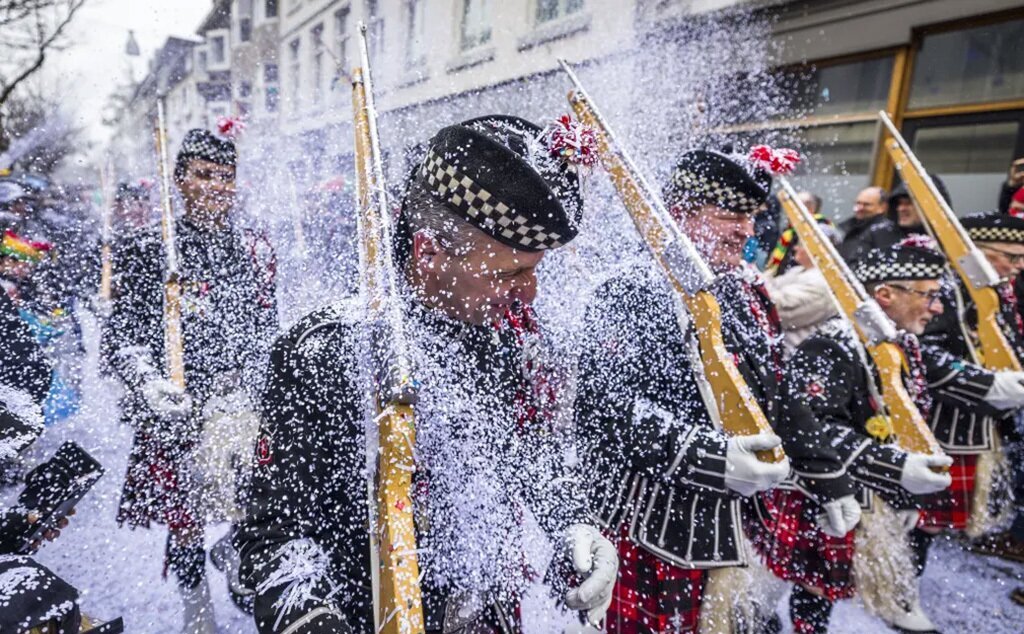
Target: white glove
[
  {"x": 1007, "y": 391},
  {"x": 918, "y": 478},
  {"x": 840, "y": 517},
  {"x": 166, "y": 400},
  {"x": 596, "y": 558},
  {"x": 747, "y": 475},
  {"x": 101, "y": 306}
]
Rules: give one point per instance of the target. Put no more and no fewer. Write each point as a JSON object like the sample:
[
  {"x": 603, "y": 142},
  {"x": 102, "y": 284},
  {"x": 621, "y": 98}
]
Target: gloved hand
[
  {"x": 840, "y": 516},
  {"x": 918, "y": 478},
  {"x": 1007, "y": 391},
  {"x": 594, "y": 557},
  {"x": 747, "y": 475},
  {"x": 166, "y": 400}
]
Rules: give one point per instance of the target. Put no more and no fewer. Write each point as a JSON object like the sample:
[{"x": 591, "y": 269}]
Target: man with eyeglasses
[
  {"x": 973, "y": 435},
  {"x": 229, "y": 317}
]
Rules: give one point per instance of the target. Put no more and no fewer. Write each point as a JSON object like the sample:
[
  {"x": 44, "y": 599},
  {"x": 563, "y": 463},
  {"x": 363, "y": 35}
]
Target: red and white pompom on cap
[
  {"x": 230, "y": 127},
  {"x": 781, "y": 161},
  {"x": 573, "y": 142}
]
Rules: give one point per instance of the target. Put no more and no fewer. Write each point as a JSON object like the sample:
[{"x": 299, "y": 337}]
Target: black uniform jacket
[
  {"x": 834, "y": 379},
  {"x": 860, "y": 236},
  {"x": 964, "y": 425},
  {"x": 229, "y": 313},
  {"x": 24, "y": 382},
  {"x": 657, "y": 457},
  {"x": 304, "y": 544}
]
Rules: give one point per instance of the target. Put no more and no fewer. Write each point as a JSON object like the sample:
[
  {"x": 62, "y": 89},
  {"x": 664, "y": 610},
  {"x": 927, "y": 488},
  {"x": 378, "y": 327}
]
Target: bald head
[{"x": 870, "y": 202}]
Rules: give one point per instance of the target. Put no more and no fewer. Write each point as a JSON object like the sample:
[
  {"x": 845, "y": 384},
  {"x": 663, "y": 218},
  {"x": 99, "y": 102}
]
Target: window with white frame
[
  {"x": 202, "y": 59},
  {"x": 269, "y": 9},
  {"x": 475, "y": 29},
  {"x": 341, "y": 36},
  {"x": 217, "y": 42},
  {"x": 316, "y": 35},
  {"x": 270, "y": 87},
  {"x": 374, "y": 29},
  {"x": 244, "y": 20},
  {"x": 416, "y": 40},
  {"x": 294, "y": 67},
  {"x": 548, "y": 10}
]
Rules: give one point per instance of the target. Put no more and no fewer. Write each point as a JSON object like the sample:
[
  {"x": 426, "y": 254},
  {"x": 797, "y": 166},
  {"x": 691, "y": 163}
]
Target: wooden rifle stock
[
  {"x": 174, "y": 351},
  {"x": 106, "y": 263},
  {"x": 686, "y": 272},
  {"x": 970, "y": 264},
  {"x": 871, "y": 324},
  {"x": 398, "y": 600}
]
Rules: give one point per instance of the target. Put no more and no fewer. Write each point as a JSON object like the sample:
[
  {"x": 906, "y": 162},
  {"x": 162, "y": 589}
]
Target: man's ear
[
  {"x": 883, "y": 295},
  {"x": 425, "y": 249}
]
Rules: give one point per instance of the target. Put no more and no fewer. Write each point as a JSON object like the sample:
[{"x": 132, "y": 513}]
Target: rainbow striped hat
[{"x": 14, "y": 246}]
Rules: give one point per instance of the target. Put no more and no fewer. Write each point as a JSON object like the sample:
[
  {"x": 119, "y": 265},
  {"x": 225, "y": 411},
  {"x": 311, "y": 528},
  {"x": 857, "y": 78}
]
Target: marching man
[
  {"x": 488, "y": 200},
  {"x": 229, "y": 316}
]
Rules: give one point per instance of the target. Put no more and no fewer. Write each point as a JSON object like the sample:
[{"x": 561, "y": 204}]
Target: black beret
[
  {"x": 499, "y": 174},
  {"x": 705, "y": 177},
  {"x": 205, "y": 145},
  {"x": 915, "y": 258},
  {"x": 992, "y": 226}
]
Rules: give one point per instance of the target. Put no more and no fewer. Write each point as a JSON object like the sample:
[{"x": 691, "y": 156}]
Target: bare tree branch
[{"x": 45, "y": 42}]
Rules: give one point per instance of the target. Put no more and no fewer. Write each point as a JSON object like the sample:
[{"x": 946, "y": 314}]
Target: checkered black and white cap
[
  {"x": 203, "y": 144},
  {"x": 730, "y": 182},
  {"x": 904, "y": 261},
  {"x": 992, "y": 226},
  {"x": 496, "y": 173}
]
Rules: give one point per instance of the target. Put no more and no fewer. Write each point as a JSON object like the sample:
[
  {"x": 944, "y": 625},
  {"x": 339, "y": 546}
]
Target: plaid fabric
[
  {"x": 952, "y": 508},
  {"x": 154, "y": 487},
  {"x": 795, "y": 549},
  {"x": 652, "y": 596}
]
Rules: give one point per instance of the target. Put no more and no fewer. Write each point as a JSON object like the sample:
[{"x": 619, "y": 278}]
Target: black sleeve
[
  {"x": 828, "y": 449},
  {"x": 307, "y": 497},
  {"x": 953, "y": 380},
  {"x": 24, "y": 367},
  {"x": 637, "y": 391},
  {"x": 136, "y": 320}
]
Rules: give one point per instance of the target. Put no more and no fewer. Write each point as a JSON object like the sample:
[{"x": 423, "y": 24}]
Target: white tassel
[{"x": 883, "y": 564}]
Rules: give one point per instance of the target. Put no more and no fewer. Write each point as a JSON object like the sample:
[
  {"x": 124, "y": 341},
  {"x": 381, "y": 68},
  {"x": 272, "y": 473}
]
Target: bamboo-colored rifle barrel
[
  {"x": 970, "y": 264},
  {"x": 688, "y": 275},
  {"x": 174, "y": 351},
  {"x": 397, "y": 595},
  {"x": 872, "y": 326}
]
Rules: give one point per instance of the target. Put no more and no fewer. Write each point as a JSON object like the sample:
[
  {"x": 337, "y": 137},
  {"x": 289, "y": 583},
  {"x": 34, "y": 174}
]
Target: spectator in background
[
  {"x": 903, "y": 211},
  {"x": 813, "y": 202},
  {"x": 870, "y": 227},
  {"x": 797, "y": 287},
  {"x": 1013, "y": 184},
  {"x": 1016, "y": 207}
]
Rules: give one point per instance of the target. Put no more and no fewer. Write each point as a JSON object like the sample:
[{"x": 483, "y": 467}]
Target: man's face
[
  {"x": 809, "y": 201},
  {"x": 1007, "y": 258},
  {"x": 869, "y": 203},
  {"x": 906, "y": 212},
  {"x": 133, "y": 213},
  {"x": 718, "y": 234},
  {"x": 911, "y": 304},
  {"x": 208, "y": 189},
  {"x": 479, "y": 286}
]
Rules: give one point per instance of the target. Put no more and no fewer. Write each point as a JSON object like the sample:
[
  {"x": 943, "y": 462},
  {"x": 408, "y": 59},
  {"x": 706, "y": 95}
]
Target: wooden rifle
[
  {"x": 977, "y": 273},
  {"x": 873, "y": 326},
  {"x": 686, "y": 272},
  {"x": 106, "y": 257},
  {"x": 398, "y": 604},
  {"x": 174, "y": 351}
]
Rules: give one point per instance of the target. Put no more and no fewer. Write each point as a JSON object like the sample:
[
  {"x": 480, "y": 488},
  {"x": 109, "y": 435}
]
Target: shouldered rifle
[
  {"x": 397, "y": 597},
  {"x": 685, "y": 271},
  {"x": 174, "y": 351},
  {"x": 970, "y": 264},
  {"x": 873, "y": 326},
  {"x": 106, "y": 265}
]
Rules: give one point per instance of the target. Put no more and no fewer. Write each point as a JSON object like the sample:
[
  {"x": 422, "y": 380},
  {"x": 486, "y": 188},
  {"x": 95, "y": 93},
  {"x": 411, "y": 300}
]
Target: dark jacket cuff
[
  {"x": 700, "y": 461},
  {"x": 879, "y": 467}
]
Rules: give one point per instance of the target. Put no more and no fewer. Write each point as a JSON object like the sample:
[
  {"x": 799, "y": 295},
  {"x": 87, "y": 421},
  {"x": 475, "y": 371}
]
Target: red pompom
[
  {"x": 780, "y": 161},
  {"x": 230, "y": 127},
  {"x": 920, "y": 241},
  {"x": 572, "y": 141}
]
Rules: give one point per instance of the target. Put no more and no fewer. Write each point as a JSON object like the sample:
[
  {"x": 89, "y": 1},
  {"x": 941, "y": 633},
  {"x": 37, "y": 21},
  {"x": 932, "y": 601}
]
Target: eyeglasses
[
  {"x": 1014, "y": 258},
  {"x": 931, "y": 296}
]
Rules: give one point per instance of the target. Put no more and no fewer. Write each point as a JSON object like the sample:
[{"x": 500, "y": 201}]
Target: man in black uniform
[
  {"x": 664, "y": 477},
  {"x": 487, "y": 201},
  {"x": 229, "y": 317}
]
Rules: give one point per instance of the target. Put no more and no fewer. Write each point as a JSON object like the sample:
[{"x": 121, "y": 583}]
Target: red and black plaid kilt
[
  {"x": 154, "y": 487},
  {"x": 794, "y": 548},
  {"x": 652, "y": 596},
  {"x": 952, "y": 508}
]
